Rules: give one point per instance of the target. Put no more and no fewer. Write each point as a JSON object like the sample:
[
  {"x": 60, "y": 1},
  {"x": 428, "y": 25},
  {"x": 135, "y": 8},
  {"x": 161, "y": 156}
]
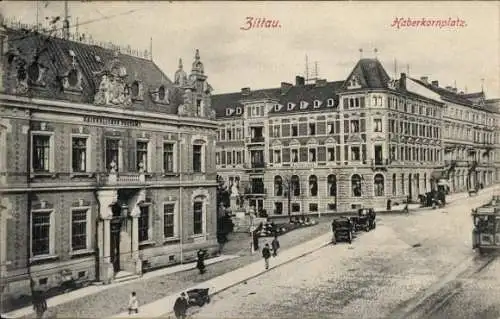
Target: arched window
[
  {"x": 356, "y": 185},
  {"x": 161, "y": 93},
  {"x": 313, "y": 185},
  {"x": 295, "y": 185},
  {"x": 278, "y": 186},
  {"x": 135, "y": 89},
  {"x": 394, "y": 188},
  {"x": 378, "y": 182},
  {"x": 332, "y": 185}
]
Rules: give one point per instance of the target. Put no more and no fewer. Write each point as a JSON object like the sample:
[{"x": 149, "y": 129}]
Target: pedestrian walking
[
  {"x": 200, "y": 264},
  {"x": 275, "y": 245},
  {"x": 133, "y": 304},
  {"x": 180, "y": 306},
  {"x": 39, "y": 304},
  {"x": 266, "y": 253}
]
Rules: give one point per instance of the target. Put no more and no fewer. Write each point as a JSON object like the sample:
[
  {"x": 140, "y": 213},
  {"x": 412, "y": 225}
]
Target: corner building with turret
[
  {"x": 107, "y": 167},
  {"x": 337, "y": 146}
]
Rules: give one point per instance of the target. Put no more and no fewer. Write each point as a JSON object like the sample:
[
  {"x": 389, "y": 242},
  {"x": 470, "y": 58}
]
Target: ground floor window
[
  {"x": 79, "y": 229},
  {"x": 169, "y": 220},
  {"x": 40, "y": 233},
  {"x": 313, "y": 207},
  {"x": 332, "y": 206},
  {"x": 295, "y": 208},
  {"x": 278, "y": 208},
  {"x": 144, "y": 224},
  {"x": 198, "y": 218}
]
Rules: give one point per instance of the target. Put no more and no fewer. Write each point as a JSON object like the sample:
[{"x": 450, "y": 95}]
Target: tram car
[{"x": 486, "y": 232}]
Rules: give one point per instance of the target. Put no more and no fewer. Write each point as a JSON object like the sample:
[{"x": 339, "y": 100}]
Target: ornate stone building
[
  {"x": 334, "y": 146},
  {"x": 107, "y": 167}
]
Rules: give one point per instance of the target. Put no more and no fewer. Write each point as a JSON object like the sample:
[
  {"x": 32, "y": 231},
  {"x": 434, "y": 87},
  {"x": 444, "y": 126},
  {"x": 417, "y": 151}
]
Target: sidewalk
[
  {"x": 90, "y": 290},
  {"x": 165, "y": 305}
]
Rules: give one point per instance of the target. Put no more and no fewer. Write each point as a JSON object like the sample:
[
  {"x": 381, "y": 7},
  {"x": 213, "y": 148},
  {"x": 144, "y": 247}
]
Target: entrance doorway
[
  {"x": 116, "y": 227},
  {"x": 410, "y": 188}
]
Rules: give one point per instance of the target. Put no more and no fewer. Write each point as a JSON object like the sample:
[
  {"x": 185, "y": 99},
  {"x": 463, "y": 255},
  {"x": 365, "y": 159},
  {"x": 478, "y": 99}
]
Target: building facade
[
  {"x": 107, "y": 167},
  {"x": 334, "y": 146}
]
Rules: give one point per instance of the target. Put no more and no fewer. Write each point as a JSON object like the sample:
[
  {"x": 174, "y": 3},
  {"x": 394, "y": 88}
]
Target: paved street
[{"x": 384, "y": 273}]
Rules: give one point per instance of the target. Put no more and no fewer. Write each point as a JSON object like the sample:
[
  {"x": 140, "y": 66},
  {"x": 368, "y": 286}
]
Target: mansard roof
[
  {"x": 57, "y": 57},
  {"x": 370, "y": 74}
]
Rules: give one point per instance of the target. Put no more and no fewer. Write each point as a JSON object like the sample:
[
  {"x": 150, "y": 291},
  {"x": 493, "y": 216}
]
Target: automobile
[
  {"x": 365, "y": 219},
  {"x": 342, "y": 229},
  {"x": 198, "y": 297}
]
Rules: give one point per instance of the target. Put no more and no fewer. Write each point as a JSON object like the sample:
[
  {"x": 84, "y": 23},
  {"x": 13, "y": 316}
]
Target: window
[
  {"x": 278, "y": 208},
  {"x": 356, "y": 185},
  {"x": 394, "y": 188},
  {"x": 276, "y": 131},
  {"x": 79, "y": 154},
  {"x": 278, "y": 186},
  {"x": 331, "y": 128},
  {"x": 355, "y": 154},
  {"x": 79, "y": 229},
  {"x": 316, "y": 103},
  {"x": 168, "y": 157},
  {"x": 142, "y": 155},
  {"x": 295, "y": 130},
  {"x": 312, "y": 128},
  {"x": 377, "y": 125},
  {"x": 112, "y": 153},
  {"x": 198, "y": 218},
  {"x": 290, "y": 106},
  {"x": 161, "y": 93},
  {"x": 312, "y": 155},
  {"x": 41, "y": 233},
  {"x": 295, "y": 155},
  {"x": 277, "y": 108},
  {"x": 144, "y": 224},
  {"x": 197, "y": 159},
  {"x": 332, "y": 185},
  {"x": 169, "y": 230},
  {"x": 354, "y": 126},
  {"x": 295, "y": 207},
  {"x": 313, "y": 185},
  {"x": 238, "y": 111},
  {"x": 277, "y": 156},
  {"x": 330, "y": 152},
  {"x": 41, "y": 153},
  {"x": 379, "y": 185},
  {"x": 295, "y": 185},
  {"x": 217, "y": 159},
  {"x": 313, "y": 207},
  {"x": 229, "y": 112},
  {"x": 330, "y": 102}
]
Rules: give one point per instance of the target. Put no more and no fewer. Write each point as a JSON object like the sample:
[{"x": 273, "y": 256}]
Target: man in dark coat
[
  {"x": 201, "y": 261},
  {"x": 266, "y": 254},
  {"x": 180, "y": 306},
  {"x": 39, "y": 304},
  {"x": 275, "y": 245}
]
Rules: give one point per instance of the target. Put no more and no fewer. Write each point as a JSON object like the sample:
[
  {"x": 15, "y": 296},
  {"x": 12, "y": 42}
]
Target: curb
[{"x": 257, "y": 275}]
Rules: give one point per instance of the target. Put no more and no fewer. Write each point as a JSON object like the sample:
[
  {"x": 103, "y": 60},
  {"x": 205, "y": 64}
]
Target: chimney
[
  {"x": 285, "y": 86},
  {"x": 435, "y": 83},
  {"x": 299, "y": 80},
  {"x": 320, "y": 82},
  {"x": 424, "y": 79},
  {"x": 245, "y": 91},
  {"x": 402, "y": 81}
]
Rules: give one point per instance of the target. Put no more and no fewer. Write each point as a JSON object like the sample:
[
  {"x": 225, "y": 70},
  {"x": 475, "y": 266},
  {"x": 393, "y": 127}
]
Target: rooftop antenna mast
[
  {"x": 151, "y": 48},
  {"x": 482, "y": 85},
  {"x": 316, "y": 74},
  {"x": 306, "y": 75},
  {"x": 395, "y": 68}
]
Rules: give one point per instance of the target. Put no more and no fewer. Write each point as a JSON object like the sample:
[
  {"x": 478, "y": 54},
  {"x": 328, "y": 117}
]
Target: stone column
[
  {"x": 106, "y": 200},
  {"x": 135, "y": 213}
]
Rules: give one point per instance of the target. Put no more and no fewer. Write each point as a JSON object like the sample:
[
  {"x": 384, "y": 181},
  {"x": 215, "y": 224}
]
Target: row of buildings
[
  {"x": 327, "y": 147},
  {"x": 109, "y": 168}
]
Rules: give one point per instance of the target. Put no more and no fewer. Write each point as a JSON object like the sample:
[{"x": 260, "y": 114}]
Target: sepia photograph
[{"x": 250, "y": 159}]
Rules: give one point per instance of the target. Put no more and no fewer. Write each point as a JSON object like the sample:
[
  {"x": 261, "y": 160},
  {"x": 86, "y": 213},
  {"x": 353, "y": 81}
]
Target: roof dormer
[
  {"x": 330, "y": 102},
  {"x": 161, "y": 95},
  {"x": 317, "y": 104},
  {"x": 137, "y": 90},
  {"x": 238, "y": 111},
  {"x": 303, "y": 105},
  {"x": 353, "y": 83},
  {"x": 277, "y": 107},
  {"x": 229, "y": 111},
  {"x": 290, "y": 106}
]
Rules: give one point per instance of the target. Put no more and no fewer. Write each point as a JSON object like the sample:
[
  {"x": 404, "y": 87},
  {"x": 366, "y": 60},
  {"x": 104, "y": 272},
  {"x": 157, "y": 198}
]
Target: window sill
[
  {"x": 198, "y": 236},
  {"x": 81, "y": 252},
  {"x": 43, "y": 258},
  {"x": 171, "y": 240},
  {"x": 147, "y": 243},
  {"x": 169, "y": 174},
  {"x": 43, "y": 174}
]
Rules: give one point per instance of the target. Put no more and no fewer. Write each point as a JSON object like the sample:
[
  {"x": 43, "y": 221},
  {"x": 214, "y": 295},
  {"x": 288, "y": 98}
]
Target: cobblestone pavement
[
  {"x": 372, "y": 278},
  {"x": 114, "y": 300}
]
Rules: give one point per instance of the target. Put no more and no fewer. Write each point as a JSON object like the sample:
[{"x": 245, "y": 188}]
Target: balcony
[
  {"x": 257, "y": 191},
  {"x": 114, "y": 178},
  {"x": 380, "y": 164}
]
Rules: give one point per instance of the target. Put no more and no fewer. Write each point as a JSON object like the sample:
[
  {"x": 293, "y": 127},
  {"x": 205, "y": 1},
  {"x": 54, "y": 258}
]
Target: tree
[{"x": 224, "y": 223}]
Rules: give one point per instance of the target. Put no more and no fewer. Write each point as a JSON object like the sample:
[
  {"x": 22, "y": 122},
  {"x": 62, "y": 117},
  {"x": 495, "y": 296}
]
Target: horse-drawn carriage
[
  {"x": 342, "y": 229},
  {"x": 365, "y": 219},
  {"x": 486, "y": 232}
]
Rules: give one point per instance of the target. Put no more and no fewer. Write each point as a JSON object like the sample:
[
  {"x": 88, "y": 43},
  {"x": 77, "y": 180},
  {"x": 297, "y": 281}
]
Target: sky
[{"x": 329, "y": 33}]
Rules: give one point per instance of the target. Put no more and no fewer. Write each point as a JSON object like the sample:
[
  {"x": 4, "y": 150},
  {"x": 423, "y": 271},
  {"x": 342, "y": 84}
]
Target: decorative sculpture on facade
[
  {"x": 180, "y": 77},
  {"x": 113, "y": 89}
]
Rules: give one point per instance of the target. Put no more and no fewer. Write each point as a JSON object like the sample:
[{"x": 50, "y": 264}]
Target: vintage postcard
[{"x": 238, "y": 159}]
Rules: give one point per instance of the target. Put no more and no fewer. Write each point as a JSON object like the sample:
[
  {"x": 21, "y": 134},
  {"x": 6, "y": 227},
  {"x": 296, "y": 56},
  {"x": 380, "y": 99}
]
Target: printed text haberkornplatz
[{"x": 428, "y": 23}]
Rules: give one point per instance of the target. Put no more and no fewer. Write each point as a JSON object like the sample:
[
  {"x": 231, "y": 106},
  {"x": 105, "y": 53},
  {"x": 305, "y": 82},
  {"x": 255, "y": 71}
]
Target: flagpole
[{"x": 36, "y": 25}]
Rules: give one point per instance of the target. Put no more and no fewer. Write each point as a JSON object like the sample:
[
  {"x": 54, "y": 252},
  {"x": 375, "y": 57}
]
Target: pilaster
[{"x": 106, "y": 200}]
